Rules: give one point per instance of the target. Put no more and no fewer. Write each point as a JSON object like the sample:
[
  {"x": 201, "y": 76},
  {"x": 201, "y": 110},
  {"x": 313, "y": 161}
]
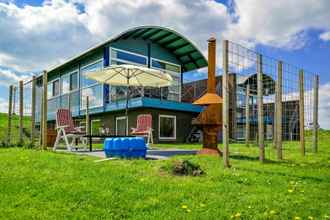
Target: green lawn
[{"x": 47, "y": 185}]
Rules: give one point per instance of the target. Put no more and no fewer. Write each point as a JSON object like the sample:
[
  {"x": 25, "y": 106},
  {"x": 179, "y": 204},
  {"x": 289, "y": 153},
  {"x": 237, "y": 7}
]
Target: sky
[{"x": 36, "y": 34}]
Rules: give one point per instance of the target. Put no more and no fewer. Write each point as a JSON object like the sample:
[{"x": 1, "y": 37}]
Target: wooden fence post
[
  {"x": 225, "y": 96},
  {"x": 260, "y": 109},
  {"x": 10, "y": 108},
  {"x": 315, "y": 113},
  {"x": 44, "y": 110},
  {"x": 33, "y": 108},
  {"x": 278, "y": 106},
  {"x": 21, "y": 94},
  {"x": 247, "y": 115},
  {"x": 301, "y": 112}
]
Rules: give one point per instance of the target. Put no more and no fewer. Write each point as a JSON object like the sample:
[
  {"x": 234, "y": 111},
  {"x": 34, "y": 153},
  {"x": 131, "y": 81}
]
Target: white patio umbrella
[{"x": 131, "y": 75}]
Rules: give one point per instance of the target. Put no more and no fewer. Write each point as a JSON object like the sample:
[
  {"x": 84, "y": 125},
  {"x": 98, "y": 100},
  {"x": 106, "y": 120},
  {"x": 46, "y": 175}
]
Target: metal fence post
[
  {"x": 315, "y": 113},
  {"x": 44, "y": 110},
  {"x": 21, "y": 93},
  {"x": 301, "y": 112},
  {"x": 247, "y": 115},
  {"x": 33, "y": 108},
  {"x": 260, "y": 109},
  {"x": 10, "y": 108},
  {"x": 278, "y": 107},
  {"x": 225, "y": 94}
]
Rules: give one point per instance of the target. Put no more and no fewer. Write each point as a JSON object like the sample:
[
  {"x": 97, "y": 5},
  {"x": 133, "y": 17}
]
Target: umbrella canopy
[{"x": 131, "y": 75}]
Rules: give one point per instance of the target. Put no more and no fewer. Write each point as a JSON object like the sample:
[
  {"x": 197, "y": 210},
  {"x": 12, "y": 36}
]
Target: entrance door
[{"x": 121, "y": 126}]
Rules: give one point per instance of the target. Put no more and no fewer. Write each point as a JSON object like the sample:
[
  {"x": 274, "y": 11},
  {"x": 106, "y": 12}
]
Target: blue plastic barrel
[{"x": 125, "y": 147}]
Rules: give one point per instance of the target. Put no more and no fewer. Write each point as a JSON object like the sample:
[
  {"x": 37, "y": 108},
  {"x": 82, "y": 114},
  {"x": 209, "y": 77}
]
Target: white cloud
[
  {"x": 325, "y": 36},
  {"x": 9, "y": 76},
  {"x": 36, "y": 37},
  {"x": 279, "y": 23}
]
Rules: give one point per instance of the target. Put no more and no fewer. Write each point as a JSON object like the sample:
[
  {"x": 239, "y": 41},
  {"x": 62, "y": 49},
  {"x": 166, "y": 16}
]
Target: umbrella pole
[{"x": 127, "y": 97}]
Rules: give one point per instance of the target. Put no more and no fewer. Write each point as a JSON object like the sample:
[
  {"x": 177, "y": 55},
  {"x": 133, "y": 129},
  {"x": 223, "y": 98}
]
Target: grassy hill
[{"x": 15, "y": 128}]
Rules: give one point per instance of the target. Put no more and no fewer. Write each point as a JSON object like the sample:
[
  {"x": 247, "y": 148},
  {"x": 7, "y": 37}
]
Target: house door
[{"x": 121, "y": 126}]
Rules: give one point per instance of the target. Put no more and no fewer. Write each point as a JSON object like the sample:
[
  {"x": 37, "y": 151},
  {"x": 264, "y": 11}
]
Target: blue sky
[{"x": 38, "y": 34}]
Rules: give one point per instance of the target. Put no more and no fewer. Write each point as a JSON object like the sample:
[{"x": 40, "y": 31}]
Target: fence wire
[{"x": 244, "y": 65}]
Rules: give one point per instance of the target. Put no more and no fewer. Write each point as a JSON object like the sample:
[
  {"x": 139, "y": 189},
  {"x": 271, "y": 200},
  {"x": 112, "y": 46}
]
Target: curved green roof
[{"x": 185, "y": 51}]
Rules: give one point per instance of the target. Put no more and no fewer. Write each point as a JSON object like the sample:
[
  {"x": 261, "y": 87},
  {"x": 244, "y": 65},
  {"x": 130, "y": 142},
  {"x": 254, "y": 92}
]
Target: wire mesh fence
[
  {"x": 295, "y": 95},
  {"x": 20, "y": 124}
]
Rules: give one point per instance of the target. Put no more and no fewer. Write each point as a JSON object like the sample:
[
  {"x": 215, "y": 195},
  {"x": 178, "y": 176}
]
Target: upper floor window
[
  {"x": 85, "y": 82},
  {"x": 125, "y": 57},
  {"x": 165, "y": 66},
  {"x": 53, "y": 88},
  {"x": 69, "y": 82}
]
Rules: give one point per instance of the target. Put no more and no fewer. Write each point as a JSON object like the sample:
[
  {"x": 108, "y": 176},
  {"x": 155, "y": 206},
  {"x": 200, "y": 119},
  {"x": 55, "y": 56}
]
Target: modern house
[
  {"x": 171, "y": 107},
  {"x": 150, "y": 46}
]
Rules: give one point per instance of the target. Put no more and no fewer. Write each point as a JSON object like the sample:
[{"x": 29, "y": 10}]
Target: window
[
  {"x": 73, "y": 81},
  {"x": 167, "y": 127},
  {"x": 121, "y": 126},
  {"x": 165, "y": 66},
  {"x": 53, "y": 88},
  {"x": 95, "y": 96},
  {"x": 98, "y": 65},
  {"x": 69, "y": 82},
  {"x": 172, "y": 92},
  {"x": 121, "y": 57},
  {"x": 91, "y": 88}
]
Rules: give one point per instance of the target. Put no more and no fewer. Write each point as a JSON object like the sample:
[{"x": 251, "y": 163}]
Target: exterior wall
[{"x": 183, "y": 121}]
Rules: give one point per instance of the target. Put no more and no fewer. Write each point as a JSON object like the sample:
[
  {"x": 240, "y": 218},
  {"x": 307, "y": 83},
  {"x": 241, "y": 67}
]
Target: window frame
[
  {"x": 175, "y": 74},
  {"x": 121, "y": 118},
  {"x": 81, "y": 88},
  {"x": 51, "y": 82},
  {"x": 167, "y": 71},
  {"x": 126, "y": 61},
  {"x": 69, "y": 75},
  {"x": 81, "y": 72},
  {"x": 166, "y": 116}
]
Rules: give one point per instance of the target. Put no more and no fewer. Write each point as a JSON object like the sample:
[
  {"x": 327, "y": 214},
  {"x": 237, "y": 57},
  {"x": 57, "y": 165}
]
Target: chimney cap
[{"x": 212, "y": 38}]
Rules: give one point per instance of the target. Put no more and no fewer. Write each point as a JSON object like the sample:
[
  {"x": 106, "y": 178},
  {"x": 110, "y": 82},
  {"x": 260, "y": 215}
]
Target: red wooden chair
[
  {"x": 66, "y": 129},
  {"x": 144, "y": 127}
]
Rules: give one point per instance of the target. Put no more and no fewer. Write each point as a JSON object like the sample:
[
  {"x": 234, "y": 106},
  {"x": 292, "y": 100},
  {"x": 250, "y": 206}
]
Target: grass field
[
  {"x": 15, "y": 128},
  {"x": 46, "y": 185}
]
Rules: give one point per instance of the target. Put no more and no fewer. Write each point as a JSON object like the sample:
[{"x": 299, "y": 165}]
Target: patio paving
[{"x": 152, "y": 154}]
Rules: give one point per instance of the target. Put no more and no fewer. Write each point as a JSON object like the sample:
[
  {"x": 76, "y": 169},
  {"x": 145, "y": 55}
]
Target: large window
[
  {"x": 69, "y": 82},
  {"x": 53, "y": 88},
  {"x": 98, "y": 65},
  {"x": 95, "y": 96},
  {"x": 166, "y": 66},
  {"x": 91, "y": 88},
  {"x": 167, "y": 127},
  {"x": 121, "y": 57},
  {"x": 172, "y": 92}
]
